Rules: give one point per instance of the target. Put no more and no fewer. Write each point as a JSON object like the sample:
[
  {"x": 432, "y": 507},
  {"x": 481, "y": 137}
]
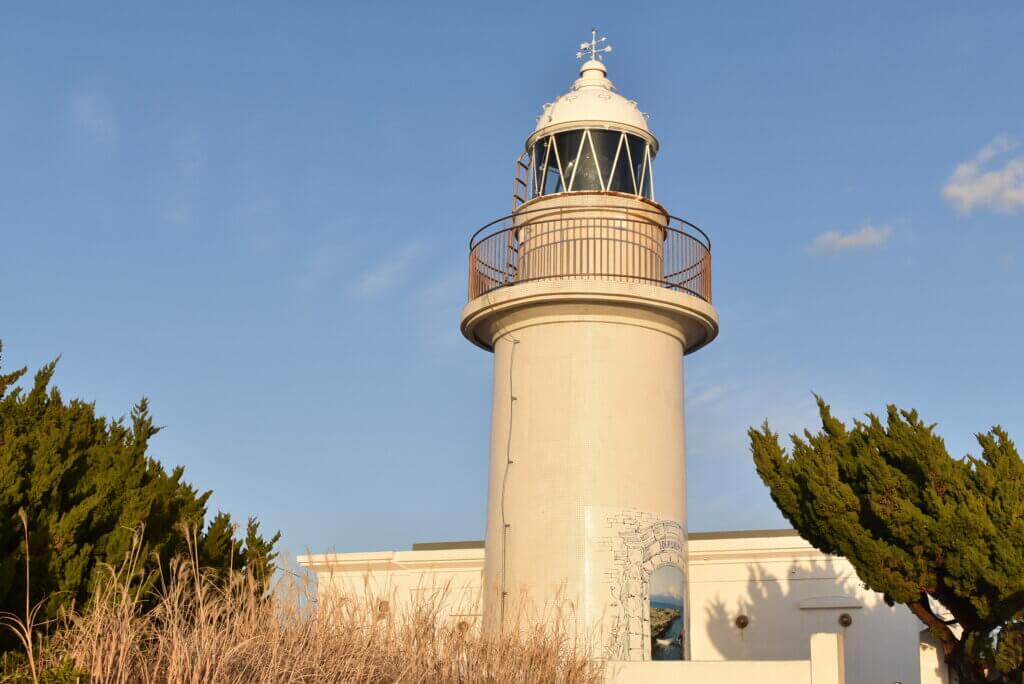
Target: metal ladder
[
  {"x": 520, "y": 194},
  {"x": 521, "y": 185}
]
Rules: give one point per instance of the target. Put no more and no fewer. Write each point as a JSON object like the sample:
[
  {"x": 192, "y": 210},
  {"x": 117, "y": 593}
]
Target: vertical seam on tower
[{"x": 504, "y": 478}]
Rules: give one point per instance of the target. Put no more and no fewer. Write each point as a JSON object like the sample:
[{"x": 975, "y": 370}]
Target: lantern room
[{"x": 591, "y": 139}]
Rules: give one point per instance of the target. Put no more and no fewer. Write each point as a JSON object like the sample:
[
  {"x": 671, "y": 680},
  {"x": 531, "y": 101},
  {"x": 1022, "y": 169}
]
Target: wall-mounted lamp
[
  {"x": 845, "y": 620},
  {"x": 742, "y": 621}
]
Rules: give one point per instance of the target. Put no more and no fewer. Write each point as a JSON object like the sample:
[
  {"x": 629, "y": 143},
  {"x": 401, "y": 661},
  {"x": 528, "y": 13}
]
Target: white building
[
  {"x": 589, "y": 295},
  {"x": 785, "y": 589}
]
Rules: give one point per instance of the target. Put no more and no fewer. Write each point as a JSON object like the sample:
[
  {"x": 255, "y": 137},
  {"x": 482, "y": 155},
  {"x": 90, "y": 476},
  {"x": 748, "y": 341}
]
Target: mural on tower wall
[
  {"x": 638, "y": 560},
  {"x": 668, "y": 616}
]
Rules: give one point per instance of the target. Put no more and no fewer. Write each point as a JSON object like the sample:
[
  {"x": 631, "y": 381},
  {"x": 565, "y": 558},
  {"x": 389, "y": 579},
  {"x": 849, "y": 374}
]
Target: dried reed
[{"x": 198, "y": 628}]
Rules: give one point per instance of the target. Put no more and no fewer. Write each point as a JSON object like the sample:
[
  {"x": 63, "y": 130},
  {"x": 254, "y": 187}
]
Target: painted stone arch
[
  {"x": 644, "y": 543},
  {"x": 663, "y": 545}
]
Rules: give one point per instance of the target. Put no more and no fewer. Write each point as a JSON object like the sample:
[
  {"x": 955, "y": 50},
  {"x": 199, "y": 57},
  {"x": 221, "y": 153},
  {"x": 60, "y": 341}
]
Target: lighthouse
[{"x": 589, "y": 294}]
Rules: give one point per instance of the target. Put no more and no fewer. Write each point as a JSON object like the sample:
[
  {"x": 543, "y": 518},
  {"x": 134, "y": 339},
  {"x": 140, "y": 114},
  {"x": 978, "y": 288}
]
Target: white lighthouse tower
[{"x": 589, "y": 294}]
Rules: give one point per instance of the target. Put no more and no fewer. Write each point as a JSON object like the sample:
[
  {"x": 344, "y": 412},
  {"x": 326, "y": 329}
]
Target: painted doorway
[{"x": 668, "y": 616}]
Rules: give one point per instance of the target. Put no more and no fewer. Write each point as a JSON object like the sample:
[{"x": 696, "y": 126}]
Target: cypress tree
[
  {"x": 91, "y": 490},
  {"x": 941, "y": 535}
]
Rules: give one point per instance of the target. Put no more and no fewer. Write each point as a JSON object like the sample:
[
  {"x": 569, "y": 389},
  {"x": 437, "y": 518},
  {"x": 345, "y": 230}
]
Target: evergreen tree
[
  {"x": 942, "y": 535},
  {"x": 91, "y": 491}
]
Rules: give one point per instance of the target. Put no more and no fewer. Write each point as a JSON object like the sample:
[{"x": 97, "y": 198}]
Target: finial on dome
[{"x": 592, "y": 47}]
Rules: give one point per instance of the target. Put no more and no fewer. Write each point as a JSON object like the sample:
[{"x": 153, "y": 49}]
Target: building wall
[
  {"x": 787, "y": 589},
  {"x": 451, "y": 576}
]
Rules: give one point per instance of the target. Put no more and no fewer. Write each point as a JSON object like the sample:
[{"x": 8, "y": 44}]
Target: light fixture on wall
[
  {"x": 845, "y": 620},
  {"x": 742, "y": 621}
]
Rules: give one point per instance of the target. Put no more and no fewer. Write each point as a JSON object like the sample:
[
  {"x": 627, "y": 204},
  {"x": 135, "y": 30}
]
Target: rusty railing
[{"x": 584, "y": 242}]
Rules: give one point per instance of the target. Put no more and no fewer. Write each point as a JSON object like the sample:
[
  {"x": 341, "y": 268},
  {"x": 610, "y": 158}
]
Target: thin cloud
[
  {"x": 726, "y": 402},
  {"x": 868, "y": 237},
  {"x": 436, "y": 304},
  {"x": 93, "y": 114},
  {"x": 449, "y": 288},
  {"x": 318, "y": 271},
  {"x": 978, "y": 184},
  {"x": 706, "y": 395},
  {"x": 666, "y": 590},
  {"x": 185, "y": 184},
  {"x": 387, "y": 275}
]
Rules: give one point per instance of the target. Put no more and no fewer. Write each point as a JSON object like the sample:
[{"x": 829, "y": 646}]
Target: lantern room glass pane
[
  {"x": 647, "y": 190},
  {"x": 568, "y": 146},
  {"x": 540, "y": 153},
  {"x": 605, "y": 145},
  {"x": 587, "y": 175},
  {"x": 552, "y": 180},
  {"x": 637, "y": 147},
  {"x": 621, "y": 177}
]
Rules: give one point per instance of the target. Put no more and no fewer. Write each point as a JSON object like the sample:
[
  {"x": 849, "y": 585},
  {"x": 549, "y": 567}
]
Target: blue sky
[{"x": 257, "y": 215}]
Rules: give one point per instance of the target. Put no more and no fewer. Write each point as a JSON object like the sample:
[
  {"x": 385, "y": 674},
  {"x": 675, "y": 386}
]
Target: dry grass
[{"x": 207, "y": 631}]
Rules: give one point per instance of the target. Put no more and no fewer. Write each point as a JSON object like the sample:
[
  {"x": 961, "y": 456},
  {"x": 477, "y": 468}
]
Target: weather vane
[{"x": 591, "y": 47}]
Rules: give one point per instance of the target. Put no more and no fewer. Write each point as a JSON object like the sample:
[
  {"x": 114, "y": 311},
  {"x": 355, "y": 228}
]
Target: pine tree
[
  {"x": 91, "y": 491},
  {"x": 943, "y": 536}
]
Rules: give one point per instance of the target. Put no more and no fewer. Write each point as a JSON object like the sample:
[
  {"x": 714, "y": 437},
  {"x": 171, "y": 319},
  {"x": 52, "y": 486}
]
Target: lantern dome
[{"x": 592, "y": 103}]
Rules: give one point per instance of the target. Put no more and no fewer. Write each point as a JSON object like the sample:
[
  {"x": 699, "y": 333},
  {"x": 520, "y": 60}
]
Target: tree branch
[{"x": 924, "y": 613}]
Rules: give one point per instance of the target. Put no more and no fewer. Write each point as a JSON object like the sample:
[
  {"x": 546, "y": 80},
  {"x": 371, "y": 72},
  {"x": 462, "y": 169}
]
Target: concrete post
[{"x": 827, "y": 659}]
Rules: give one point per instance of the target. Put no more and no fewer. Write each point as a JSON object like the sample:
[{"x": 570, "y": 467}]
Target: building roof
[
  {"x": 724, "y": 534},
  {"x": 445, "y": 545}
]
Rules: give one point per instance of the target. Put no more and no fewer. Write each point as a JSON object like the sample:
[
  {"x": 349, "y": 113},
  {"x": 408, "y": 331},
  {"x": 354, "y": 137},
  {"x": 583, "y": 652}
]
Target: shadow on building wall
[
  {"x": 781, "y": 611},
  {"x": 770, "y": 603}
]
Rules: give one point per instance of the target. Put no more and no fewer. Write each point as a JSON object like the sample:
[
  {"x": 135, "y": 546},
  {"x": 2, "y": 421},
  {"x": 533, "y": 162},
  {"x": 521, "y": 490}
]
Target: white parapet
[
  {"x": 712, "y": 672},
  {"x": 824, "y": 667}
]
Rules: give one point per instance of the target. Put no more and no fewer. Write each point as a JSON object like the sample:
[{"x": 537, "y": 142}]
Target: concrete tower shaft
[{"x": 589, "y": 295}]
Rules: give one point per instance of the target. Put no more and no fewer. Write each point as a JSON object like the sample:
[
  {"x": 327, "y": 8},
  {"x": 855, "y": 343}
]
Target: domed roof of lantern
[{"x": 592, "y": 102}]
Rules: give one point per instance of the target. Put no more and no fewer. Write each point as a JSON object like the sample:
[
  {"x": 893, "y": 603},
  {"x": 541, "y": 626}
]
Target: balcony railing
[{"x": 585, "y": 242}]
